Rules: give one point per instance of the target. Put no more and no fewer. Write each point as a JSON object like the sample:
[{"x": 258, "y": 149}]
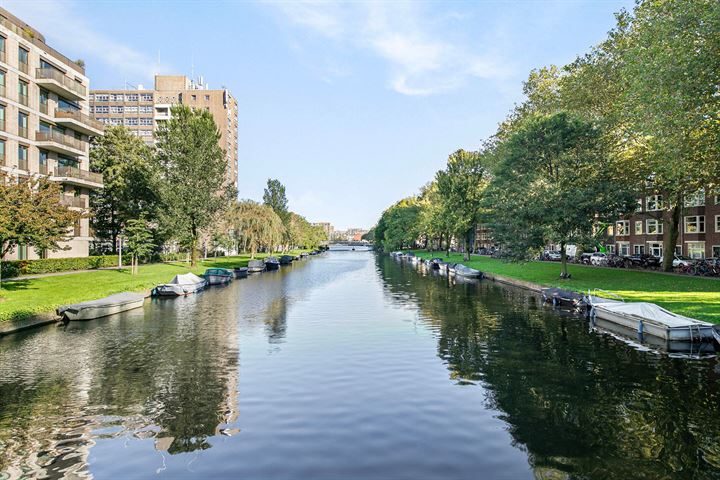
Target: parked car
[
  {"x": 552, "y": 255},
  {"x": 680, "y": 261},
  {"x": 598, "y": 258},
  {"x": 644, "y": 260},
  {"x": 585, "y": 258}
]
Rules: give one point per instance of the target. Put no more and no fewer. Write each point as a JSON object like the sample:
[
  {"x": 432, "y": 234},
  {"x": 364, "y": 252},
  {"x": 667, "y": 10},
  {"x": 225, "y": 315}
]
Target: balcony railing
[
  {"x": 43, "y": 169},
  {"x": 23, "y": 99},
  {"x": 23, "y": 67},
  {"x": 80, "y": 117},
  {"x": 23, "y": 132},
  {"x": 2, "y": 91},
  {"x": 2, "y": 125},
  {"x": 3, "y": 58},
  {"x": 44, "y": 108},
  {"x": 61, "y": 78},
  {"x": 52, "y": 135},
  {"x": 72, "y": 172},
  {"x": 23, "y": 164},
  {"x": 78, "y": 202},
  {"x": 2, "y": 159}
]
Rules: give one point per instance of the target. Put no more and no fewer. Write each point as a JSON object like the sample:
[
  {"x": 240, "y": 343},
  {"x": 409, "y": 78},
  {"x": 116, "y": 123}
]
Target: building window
[
  {"x": 146, "y": 121},
  {"x": 64, "y": 104},
  {"x": 102, "y": 109},
  {"x": 101, "y": 97},
  {"x": 116, "y": 121},
  {"x": 697, "y": 199},
  {"x": 716, "y": 251},
  {"x": 2, "y": 117},
  {"x": 23, "y": 93},
  {"x": 654, "y": 227},
  {"x": 655, "y": 249},
  {"x": 23, "y": 124},
  {"x": 132, "y": 97},
  {"x": 638, "y": 209},
  {"x": 638, "y": 227},
  {"x": 146, "y": 97},
  {"x": 145, "y": 133},
  {"x": 22, "y": 157},
  {"x": 696, "y": 250},
  {"x": 207, "y": 98},
  {"x": 2, "y": 47},
  {"x": 717, "y": 223},
  {"x": 2, "y": 151},
  {"x": 654, "y": 203},
  {"x": 146, "y": 109},
  {"x": 638, "y": 249},
  {"x": 23, "y": 58},
  {"x": 131, "y": 109},
  {"x": 193, "y": 97},
  {"x": 623, "y": 228},
  {"x": 624, "y": 249},
  {"x": 131, "y": 121},
  {"x": 116, "y": 109},
  {"x": 695, "y": 224}
]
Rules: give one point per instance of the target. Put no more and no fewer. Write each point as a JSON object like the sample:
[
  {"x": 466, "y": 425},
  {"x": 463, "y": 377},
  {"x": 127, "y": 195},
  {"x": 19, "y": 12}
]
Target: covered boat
[
  {"x": 184, "y": 284},
  {"x": 466, "y": 271},
  {"x": 120, "y": 302},
  {"x": 436, "y": 262},
  {"x": 650, "y": 319},
  {"x": 272, "y": 263},
  {"x": 218, "y": 276},
  {"x": 562, "y": 298},
  {"x": 286, "y": 259},
  {"x": 240, "y": 272},
  {"x": 256, "y": 266}
]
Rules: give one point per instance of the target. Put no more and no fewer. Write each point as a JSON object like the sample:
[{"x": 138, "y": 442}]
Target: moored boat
[
  {"x": 562, "y": 298},
  {"x": 183, "y": 284},
  {"x": 256, "y": 266},
  {"x": 240, "y": 272},
  {"x": 218, "y": 276},
  {"x": 467, "y": 272},
  {"x": 435, "y": 263},
  {"x": 120, "y": 302},
  {"x": 286, "y": 260},
  {"x": 272, "y": 263}
]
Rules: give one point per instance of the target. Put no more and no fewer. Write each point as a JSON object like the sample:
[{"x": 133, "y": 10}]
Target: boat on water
[
  {"x": 286, "y": 260},
  {"x": 256, "y": 266},
  {"x": 272, "y": 263},
  {"x": 651, "y": 319},
  {"x": 467, "y": 272},
  {"x": 218, "y": 276},
  {"x": 120, "y": 302},
  {"x": 183, "y": 284},
  {"x": 562, "y": 298},
  {"x": 240, "y": 272},
  {"x": 435, "y": 263}
]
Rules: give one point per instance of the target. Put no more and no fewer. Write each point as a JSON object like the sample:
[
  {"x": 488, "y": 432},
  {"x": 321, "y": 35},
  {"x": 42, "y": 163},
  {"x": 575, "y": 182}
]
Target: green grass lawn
[
  {"x": 694, "y": 297},
  {"x": 23, "y": 298}
]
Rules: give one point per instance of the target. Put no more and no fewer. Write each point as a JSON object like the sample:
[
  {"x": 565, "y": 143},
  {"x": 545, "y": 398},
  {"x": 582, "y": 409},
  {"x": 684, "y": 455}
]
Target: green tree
[
  {"x": 31, "y": 214},
  {"x": 255, "y": 226},
  {"x": 129, "y": 178},
  {"x": 192, "y": 186},
  {"x": 398, "y": 226},
  {"x": 138, "y": 241},
  {"x": 552, "y": 186},
  {"x": 460, "y": 189}
]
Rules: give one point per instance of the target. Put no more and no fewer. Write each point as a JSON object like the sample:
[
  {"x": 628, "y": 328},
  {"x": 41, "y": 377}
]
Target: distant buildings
[
  {"x": 327, "y": 228},
  {"x": 142, "y": 110},
  {"x": 349, "y": 235},
  {"x": 45, "y": 128}
]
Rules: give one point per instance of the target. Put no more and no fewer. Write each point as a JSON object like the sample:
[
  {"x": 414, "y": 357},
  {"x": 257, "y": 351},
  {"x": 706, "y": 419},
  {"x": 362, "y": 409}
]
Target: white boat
[
  {"x": 184, "y": 284},
  {"x": 120, "y": 302},
  {"x": 650, "y": 319},
  {"x": 255, "y": 266},
  {"x": 467, "y": 271}
]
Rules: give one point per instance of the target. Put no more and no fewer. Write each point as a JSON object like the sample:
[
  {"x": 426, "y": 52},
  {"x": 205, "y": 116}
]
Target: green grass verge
[
  {"x": 695, "y": 297},
  {"x": 21, "y": 299}
]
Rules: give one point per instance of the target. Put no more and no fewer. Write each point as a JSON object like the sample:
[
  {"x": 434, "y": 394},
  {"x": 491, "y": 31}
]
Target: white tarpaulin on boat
[
  {"x": 186, "y": 279},
  {"x": 649, "y": 311}
]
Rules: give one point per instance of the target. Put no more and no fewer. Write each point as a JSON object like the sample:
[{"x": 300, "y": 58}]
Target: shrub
[
  {"x": 174, "y": 257},
  {"x": 16, "y": 268}
]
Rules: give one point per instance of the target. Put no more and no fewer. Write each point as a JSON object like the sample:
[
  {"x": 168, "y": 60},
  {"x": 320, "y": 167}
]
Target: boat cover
[
  {"x": 256, "y": 263},
  {"x": 185, "y": 279},
  {"x": 559, "y": 292},
  {"x": 467, "y": 271},
  {"x": 652, "y": 312},
  {"x": 112, "y": 300}
]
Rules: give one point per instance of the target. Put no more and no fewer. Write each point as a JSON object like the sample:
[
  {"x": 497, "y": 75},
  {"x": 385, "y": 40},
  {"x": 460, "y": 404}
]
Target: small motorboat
[
  {"x": 303, "y": 255},
  {"x": 466, "y": 271},
  {"x": 256, "y": 266},
  {"x": 272, "y": 263},
  {"x": 286, "y": 260},
  {"x": 120, "y": 302},
  {"x": 562, "y": 298},
  {"x": 240, "y": 272},
  {"x": 184, "y": 284},
  {"x": 435, "y": 263},
  {"x": 651, "y": 319},
  {"x": 218, "y": 276}
]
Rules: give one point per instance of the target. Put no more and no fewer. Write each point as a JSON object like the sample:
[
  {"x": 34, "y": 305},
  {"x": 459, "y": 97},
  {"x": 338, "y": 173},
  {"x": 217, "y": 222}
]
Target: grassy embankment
[
  {"x": 23, "y": 298},
  {"x": 695, "y": 297}
]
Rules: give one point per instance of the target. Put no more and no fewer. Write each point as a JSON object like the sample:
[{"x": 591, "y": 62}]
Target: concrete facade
[
  {"x": 45, "y": 127},
  {"x": 143, "y": 110}
]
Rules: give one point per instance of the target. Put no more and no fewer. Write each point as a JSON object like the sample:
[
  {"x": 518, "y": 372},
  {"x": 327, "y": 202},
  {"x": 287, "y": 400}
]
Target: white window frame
[
  {"x": 696, "y": 255},
  {"x": 715, "y": 250},
  {"x": 696, "y": 199},
  {"x": 638, "y": 227},
  {"x": 638, "y": 249},
  {"x": 622, "y": 228},
  {"x": 654, "y": 201},
  {"x": 655, "y": 248},
  {"x": 658, "y": 224},
  {"x": 717, "y": 223},
  {"x": 697, "y": 220},
  {"x": 623, "y": 248}
]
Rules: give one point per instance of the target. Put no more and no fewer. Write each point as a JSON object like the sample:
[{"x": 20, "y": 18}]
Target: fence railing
[
  {"x": 73, "y": 172},
  {"x": 79, "y": 116},
  {"x": 61, "y": 78},
  {"x": 52, "y": 135}
]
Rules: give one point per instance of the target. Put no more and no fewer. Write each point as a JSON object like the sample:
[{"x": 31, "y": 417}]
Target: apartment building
[
  {"x": 45, "y": 128},
  {"x": 699, "y": 235},
  {"x": 143, "y": 111},
  {"x": 326, "y": 226}
]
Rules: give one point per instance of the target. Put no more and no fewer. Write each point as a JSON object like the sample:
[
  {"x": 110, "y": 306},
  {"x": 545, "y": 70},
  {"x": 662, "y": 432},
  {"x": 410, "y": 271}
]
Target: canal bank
[
  {"x": 694, "y": 297},
  {"x": 352, "y": 366}
]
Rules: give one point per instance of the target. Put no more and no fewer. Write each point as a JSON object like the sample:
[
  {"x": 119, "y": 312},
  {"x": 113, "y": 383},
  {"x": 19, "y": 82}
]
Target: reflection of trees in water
[{"x": 582, "y": 404}]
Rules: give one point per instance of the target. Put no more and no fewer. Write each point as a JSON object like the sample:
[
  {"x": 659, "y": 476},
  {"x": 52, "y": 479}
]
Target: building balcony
[
  {"x": 58, "y": 82},
  {"x": 23, "y": 67},
  {"x": 78, "y": 121},
  {"x": 72, "y": 201},
  {"x": 44, "y": 170},
  {"x": 59, "y": 142},
  {"x": 76, "y": 176}
]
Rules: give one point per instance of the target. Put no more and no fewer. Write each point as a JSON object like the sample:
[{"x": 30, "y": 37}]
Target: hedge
[{"x": 16, "y": 268}]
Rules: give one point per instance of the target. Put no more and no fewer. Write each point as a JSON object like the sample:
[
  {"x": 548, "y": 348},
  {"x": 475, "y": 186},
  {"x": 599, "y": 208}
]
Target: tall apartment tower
[
  {"x": 142, "y": 110},
  {"x": 45, "y": 128}
]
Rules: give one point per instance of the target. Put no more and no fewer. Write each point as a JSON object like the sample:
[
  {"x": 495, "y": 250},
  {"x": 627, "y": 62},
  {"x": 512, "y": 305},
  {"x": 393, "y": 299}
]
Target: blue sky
[{"x": 351, "y": 105}]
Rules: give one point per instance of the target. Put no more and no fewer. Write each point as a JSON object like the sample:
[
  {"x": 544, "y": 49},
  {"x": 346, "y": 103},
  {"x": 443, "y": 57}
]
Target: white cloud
[
  {"x": 68, "y": 31},
  {"x": 415, "y": 45}
]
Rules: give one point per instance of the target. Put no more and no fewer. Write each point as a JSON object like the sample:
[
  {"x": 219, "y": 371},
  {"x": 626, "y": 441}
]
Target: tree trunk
[
  {"x": 563, "y": 261},
  {"x": 670, "y": 240},
  {"x": 466, "y": 251},
  {"x": 193, "y": 248}
]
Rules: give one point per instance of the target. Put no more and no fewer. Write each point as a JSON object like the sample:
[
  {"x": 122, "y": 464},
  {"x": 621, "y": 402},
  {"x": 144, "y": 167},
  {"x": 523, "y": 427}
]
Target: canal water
[{"x": 351, "y": 365}]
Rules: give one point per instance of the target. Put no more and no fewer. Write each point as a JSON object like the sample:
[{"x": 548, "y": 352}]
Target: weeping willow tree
[{"x": 254, "y": 226}]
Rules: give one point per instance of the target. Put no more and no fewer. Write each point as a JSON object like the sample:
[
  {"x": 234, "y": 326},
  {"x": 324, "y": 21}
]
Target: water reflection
[{"x": 582, "y": 404}]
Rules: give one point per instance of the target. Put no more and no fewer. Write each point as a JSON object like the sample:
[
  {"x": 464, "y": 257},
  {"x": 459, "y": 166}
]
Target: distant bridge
[{"x": 361, "y": 243}]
